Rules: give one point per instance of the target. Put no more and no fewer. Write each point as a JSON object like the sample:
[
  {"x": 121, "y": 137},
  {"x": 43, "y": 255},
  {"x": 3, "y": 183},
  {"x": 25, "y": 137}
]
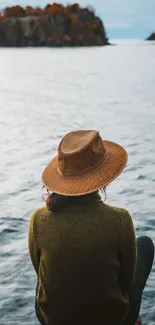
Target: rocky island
[
  {"x": 53, "y": 25},
  {"x": 151, "y": 37}
]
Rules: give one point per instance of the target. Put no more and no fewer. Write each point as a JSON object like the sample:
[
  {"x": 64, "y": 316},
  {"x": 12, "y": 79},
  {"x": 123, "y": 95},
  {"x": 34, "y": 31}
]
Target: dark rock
[
  {"x": 67, "y": 41},
  {"x": 10, "y": 32},
  {"x": 99, "y": 41},
  {"x": 151, "y": 37},
  {"x": 75, "y": 27},
  {"x": 32, "y": 33}
]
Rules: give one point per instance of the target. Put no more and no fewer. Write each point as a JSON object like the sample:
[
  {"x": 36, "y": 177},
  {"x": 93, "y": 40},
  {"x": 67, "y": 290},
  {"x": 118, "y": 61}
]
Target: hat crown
[{"x": 80, "y": 152}]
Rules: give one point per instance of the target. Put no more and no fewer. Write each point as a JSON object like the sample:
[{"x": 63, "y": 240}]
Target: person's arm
[
  {"x": 128, "y": 251},
  {"x": 35, "y": 253},
  {"x": 32, "y": 243}
]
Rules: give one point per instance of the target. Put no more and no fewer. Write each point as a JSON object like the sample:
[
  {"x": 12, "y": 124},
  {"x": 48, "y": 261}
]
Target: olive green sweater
[{"x": 84, "y": 259}]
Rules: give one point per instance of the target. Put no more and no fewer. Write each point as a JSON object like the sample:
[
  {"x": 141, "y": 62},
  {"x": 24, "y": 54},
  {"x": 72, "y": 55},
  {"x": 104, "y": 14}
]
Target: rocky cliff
[
  {"x": 151, "y": 37},
  {"x": 54, "y": 25}
]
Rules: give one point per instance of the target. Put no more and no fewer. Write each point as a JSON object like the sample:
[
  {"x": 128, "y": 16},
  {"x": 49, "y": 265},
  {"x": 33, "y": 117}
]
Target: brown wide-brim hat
[{"x": 85, "y": 163}]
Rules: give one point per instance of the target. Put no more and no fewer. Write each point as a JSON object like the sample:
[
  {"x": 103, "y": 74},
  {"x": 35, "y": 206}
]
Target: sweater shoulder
[
  {"x": 117, "y": 210},
  {"x": 124, "y": 219},
  {"x": 39, "y": 219},
  {"x": 40, "y": 214},
  {"x": 121, "y": 214}
]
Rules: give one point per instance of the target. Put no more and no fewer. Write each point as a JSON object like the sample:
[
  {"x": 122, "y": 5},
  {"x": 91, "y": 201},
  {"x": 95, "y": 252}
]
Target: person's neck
[{"x": 59, "y": 203}]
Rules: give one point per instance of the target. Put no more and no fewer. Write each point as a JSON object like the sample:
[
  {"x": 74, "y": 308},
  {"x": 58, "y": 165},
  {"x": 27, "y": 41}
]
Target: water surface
[{"x": 45, "y": 93}]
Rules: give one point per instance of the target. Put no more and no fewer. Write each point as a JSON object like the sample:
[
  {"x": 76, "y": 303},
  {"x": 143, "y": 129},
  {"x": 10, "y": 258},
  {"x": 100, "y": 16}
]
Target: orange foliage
[
  {"x": 38, "y": 12},
  {"x": 15, "y": 11},
  {"x": 94, "y": 25},
  {"x": 74, "y": 20},
  {"x": 54, "y": 8},
  {"x": 28, "y": 9},
  {"x": 51, "y": 9}
]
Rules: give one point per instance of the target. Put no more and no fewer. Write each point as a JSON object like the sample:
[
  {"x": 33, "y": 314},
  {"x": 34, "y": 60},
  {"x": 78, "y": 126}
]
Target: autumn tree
[
  {"x": 54, "y": 8},
  {"x": 15, "y": 11},
  {"x": 51, "y": 9}
]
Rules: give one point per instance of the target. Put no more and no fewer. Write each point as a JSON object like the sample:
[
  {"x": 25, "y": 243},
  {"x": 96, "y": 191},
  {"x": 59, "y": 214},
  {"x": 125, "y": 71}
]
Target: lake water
[{"x": 45, "y": 93}]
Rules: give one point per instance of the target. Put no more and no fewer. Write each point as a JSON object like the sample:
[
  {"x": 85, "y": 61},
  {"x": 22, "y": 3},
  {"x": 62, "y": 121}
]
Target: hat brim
[{"x": 93, "y": 181}]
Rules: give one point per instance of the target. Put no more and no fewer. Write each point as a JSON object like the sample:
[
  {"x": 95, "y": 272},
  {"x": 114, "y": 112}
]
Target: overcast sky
[{"x": 122, "y": 18}]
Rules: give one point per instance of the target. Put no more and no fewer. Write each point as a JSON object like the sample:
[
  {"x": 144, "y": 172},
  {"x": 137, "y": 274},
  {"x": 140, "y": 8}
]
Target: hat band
[{"x": 84, "y": 171}]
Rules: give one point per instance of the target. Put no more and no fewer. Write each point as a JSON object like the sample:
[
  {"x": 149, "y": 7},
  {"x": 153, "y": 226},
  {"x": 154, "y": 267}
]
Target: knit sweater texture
[{"x": 84, "y": 258}]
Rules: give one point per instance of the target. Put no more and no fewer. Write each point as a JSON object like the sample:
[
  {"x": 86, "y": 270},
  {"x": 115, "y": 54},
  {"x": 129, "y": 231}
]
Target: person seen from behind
[{"x": 90, "y": 267}]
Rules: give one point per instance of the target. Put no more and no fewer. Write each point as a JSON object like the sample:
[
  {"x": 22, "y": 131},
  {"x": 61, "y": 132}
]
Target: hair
[{"x": 56, "y": 202}]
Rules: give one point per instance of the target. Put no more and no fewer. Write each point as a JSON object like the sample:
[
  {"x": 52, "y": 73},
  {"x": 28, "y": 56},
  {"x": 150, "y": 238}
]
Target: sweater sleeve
[
  {"x": 127, "y": 251},
  {"x": 32, "y": 243},
  {"x": 35, "y": 255}
]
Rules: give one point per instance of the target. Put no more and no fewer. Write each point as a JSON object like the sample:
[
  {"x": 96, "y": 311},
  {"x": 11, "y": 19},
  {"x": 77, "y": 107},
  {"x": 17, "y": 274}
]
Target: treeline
[{"x": 55, "y": 8}]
